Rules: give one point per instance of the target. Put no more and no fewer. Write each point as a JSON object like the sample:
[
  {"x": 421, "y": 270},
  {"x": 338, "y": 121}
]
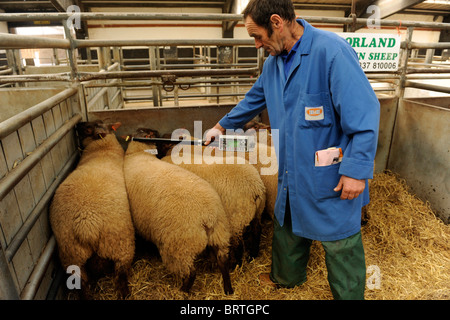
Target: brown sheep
[
  {"x": 89, "y": 213},
  {"x": 240, "y": 188},
  {"x": 177, "y": 211}
]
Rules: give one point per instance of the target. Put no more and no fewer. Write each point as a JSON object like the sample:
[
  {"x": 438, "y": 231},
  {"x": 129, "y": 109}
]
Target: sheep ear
[{"x": 116, "y": 126}]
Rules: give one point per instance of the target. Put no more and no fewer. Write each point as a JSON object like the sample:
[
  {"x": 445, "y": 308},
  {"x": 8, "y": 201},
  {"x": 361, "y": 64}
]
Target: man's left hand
[{"x": 351, "y": 188}]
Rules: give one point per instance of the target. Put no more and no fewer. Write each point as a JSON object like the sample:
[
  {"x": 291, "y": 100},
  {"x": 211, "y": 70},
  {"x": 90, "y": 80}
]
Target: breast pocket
[{"x": 316, "y": 111}]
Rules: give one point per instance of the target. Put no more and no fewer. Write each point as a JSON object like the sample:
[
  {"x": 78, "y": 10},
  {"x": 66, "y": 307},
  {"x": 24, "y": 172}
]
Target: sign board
[{"x": 376, "y": 52}]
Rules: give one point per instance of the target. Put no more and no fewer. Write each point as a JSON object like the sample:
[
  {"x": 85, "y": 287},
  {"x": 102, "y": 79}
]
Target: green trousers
[{"x": 344, "y": 259}]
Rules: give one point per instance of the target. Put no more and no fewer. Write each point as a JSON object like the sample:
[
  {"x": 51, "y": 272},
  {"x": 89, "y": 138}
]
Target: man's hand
[
  {"x": 214, "y": 132},
  {"x": 351, "y": 188}
]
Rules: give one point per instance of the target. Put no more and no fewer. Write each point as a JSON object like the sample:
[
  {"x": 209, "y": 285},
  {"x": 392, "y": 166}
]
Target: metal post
[
  {"x": 71, "y": 51},
  {"x": 404, "y": 63},
  {"x": 8, "y": 290},
  {"x": 429, "y": 56},
  {"x": 38, "y": 273},
  {"x": 152, "y": 58}
]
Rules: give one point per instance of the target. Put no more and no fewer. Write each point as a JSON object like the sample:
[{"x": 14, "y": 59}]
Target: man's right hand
[{"x": 214, "y": 132}]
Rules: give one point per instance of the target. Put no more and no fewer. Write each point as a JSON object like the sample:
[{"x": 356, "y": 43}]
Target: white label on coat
[{"x": 314, "y": 113}]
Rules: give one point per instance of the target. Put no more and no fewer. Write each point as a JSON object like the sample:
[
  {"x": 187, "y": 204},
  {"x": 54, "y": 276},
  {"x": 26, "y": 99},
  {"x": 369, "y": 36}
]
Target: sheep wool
[
  {"x": 263, "y": 158},
  {"x": 241, "y": 190},
  {"x": 90, "y": 212},
  {"x": 176, "y": 210}
]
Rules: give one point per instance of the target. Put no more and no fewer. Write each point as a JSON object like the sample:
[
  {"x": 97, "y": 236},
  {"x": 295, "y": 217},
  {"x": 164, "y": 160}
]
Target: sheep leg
[
  {"x": 67, "y": 259},
  {"x": 223, "y": 263},
  {"x": 254, "y": 238},
  {"x": 237, "y": 252},
  {"x": 188, "y": 281},
  {"x": 122, "y": 280},
  {"x": 85, "y": 292}
]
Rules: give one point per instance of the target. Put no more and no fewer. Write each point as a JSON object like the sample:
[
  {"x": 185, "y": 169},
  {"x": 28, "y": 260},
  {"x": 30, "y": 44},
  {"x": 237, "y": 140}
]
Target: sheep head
[{"x": 94, "y": 130}]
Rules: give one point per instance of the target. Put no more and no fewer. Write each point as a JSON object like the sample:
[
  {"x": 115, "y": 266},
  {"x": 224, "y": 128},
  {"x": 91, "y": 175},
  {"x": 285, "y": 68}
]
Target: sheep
[
  {"x": 267, "y": 166},
  {"x": 241, "y": 190},
  {"x": 263, "y": 157},
  {"x": 89, "y": 213},
  {"x": 262, "y": 131},
  {"x": 176, "y": 210}
]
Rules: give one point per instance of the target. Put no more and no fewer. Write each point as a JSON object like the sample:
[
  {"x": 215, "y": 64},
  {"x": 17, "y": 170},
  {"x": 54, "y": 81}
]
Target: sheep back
[
  {"x": 239, "y": 186},
  {"x": 90, "y": 211},
  {"x": 173, "y": 208}
]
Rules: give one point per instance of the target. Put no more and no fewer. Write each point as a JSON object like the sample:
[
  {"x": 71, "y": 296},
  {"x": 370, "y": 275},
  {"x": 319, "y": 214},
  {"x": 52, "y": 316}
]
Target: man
[{"x": 317, "y": 97}]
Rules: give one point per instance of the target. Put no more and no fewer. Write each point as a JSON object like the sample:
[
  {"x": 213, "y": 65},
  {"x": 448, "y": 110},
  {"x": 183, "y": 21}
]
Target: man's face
[{"x": 273, "y": 44}]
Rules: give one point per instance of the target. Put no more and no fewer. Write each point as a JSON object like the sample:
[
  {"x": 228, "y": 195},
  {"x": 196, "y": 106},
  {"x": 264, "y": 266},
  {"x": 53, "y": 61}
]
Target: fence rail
[
  {"x": 38, "y": 151},
  {"x": 85, "y": 16}
]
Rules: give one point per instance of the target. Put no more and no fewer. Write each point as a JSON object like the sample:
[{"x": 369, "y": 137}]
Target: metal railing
[
  {"x": 71, "y": 44},
  {"x": 31, "y": 131}
]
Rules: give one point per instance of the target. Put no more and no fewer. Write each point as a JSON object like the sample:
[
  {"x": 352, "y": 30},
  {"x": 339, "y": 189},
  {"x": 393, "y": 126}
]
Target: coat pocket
[
  {"x": 315, "y": 111},
  {"x": 325, "y": 180}
]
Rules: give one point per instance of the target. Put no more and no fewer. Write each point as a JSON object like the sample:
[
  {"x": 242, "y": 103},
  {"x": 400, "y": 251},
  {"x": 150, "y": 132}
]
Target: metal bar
[
  {"x": 426, "y": 86},
  {"x": 388, "y": 8},
  {"x": 153, "y": 66},
  {"x": 429, "y": 45},
  {"x": 427, "y": 70},
  {"x": 71, "y": 51},
  {"x": 6, "y": 71},
  {"x": 36, "y": 77},
  {"x": 189, "y": 65},
  {"x": 8, "y": 290},
  {"x": 207, "y": 95},
  {"x": 93, "y": 101},
  {"x": 14, "y": 123},
  {"x": 178, "y": 82},
  {"x": 21, "y": 235},
  {"x": 159, "y": 73},
  {"x": 162, "y": 59},
  {"x": 414, "y": 64},
  {"x": 15, "y": 41},
  {"x": 382, "y": 76},
  {"x": 404, "y": 63},
  {"x": 16, "y": 174},
  {"x": 119, "y": 16},
  {"x": 199, "y": 17},
  {"x": 427, "y": 77},
  {"x": 38, "y": 273},
  {"x": 162, "y": 42}
]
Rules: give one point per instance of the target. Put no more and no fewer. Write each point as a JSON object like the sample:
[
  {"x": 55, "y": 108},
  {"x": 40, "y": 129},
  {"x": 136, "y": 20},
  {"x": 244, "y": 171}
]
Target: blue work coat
[{"x": 325, "y": 75}]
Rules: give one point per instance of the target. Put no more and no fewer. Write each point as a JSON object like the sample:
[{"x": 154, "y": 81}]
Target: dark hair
[{"x": 261, "y": 11}]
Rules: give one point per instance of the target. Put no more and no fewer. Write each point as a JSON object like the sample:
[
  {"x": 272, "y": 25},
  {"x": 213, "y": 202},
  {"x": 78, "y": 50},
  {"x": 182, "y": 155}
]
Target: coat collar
[
  {"x": 305, "y": 44},
  {"x": 304, "y": 49}
]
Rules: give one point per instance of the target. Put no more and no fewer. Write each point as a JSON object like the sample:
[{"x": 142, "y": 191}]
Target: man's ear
[{"x": 276, "y": 21}]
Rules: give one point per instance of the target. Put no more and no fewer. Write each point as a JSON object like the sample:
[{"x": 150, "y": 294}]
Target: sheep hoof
[
  {"x": 229, "y": 290},
  {"x": 188, "y": 282}
]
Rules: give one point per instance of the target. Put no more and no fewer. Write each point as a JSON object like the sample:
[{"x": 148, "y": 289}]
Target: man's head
[
  {"x": 261, "y": 10},
  {"x": 267, "y": 20}
]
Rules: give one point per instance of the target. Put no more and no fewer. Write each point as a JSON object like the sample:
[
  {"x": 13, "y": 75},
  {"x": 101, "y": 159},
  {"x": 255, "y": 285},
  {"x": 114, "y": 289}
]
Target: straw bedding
[{"x": 401, "y": 235}]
